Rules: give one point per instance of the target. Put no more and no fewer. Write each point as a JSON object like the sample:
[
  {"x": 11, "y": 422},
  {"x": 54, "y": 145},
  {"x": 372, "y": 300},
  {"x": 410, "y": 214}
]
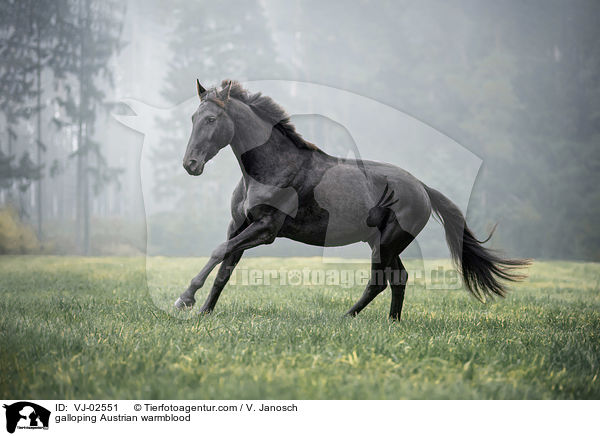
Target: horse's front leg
[
  {"x": 225, "y": 271},
  {"x": 263, "y": 231}
]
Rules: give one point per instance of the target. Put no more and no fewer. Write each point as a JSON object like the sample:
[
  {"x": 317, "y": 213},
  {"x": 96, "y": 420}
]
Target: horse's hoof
[{"x": 184, "y": 304}]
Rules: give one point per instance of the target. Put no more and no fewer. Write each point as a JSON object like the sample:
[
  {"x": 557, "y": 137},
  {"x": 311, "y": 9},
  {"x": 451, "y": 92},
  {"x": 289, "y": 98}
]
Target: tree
[
  {"x": 17, "y": 71},
  {"x": 89, "y": 36}
]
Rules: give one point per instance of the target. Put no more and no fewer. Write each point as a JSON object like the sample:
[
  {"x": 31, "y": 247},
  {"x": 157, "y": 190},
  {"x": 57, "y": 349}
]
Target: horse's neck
[
  {"x": 251, "y": 131},
  {"x": 258, "y": 143}
]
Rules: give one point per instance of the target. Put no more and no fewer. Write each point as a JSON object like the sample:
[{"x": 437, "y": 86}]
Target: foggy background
[{"x": 515, "y": 84}]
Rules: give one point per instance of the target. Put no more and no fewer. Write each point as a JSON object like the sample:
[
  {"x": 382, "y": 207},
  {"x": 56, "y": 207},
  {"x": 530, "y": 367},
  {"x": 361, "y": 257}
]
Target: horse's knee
[
  {"x": 267, "y": 235},
  {"x": 198, "y": 281}
]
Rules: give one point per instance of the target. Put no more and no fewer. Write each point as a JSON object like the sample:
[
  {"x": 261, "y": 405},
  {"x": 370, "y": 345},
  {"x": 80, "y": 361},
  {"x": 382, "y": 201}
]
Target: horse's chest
[{"x": 258, "y": 194}]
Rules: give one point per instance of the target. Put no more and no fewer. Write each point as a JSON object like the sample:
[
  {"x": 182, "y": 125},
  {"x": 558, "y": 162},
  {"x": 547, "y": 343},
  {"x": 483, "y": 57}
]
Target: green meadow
[{"x": 95, "y": 328}]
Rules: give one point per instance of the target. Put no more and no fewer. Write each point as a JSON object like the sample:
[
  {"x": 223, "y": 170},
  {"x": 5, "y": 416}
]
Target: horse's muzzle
[{"x": 193, "y": 167}]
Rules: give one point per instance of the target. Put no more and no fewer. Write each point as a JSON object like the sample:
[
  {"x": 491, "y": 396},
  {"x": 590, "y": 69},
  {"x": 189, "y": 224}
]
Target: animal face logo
[{"x": 26, "y": 415}]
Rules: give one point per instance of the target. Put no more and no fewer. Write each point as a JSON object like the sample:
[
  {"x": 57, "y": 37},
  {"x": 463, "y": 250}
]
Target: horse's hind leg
[
  {"x": 395, "y": 274},
  {"x": 397, "y": 280},
  {"x": 393, "y": 240},
  {"x": 377, "y": 283}
]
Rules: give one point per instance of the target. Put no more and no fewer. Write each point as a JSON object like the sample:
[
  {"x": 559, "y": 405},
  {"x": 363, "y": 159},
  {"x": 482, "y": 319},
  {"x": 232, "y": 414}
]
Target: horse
[{"x": 290, "y": 188}]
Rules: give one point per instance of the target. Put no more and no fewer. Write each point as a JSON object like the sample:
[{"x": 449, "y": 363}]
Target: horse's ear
[
  {"x": 200, "y": 88},
  {"x": 228, "y": 89}
]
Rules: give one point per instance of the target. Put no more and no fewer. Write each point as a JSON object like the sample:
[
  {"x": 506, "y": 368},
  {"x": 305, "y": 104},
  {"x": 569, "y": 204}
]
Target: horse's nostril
[{"x": 191, "y": 163}]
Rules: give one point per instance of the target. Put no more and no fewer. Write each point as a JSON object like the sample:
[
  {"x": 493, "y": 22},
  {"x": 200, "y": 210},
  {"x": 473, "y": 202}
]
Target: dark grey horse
[{"x": 292, "y": 189}]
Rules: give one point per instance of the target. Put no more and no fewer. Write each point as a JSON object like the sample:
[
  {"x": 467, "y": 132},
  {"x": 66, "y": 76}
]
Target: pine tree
[
  {"x": 89, "y": 36},
  {"x": 17, "y": 89}
]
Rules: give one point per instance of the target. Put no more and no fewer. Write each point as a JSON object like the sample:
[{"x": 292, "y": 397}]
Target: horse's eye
[{"x": 210, "y": 119}]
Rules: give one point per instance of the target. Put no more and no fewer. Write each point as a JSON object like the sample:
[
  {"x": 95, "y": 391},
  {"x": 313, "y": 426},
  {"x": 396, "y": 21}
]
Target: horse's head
[{"x": 212, "y": 129}]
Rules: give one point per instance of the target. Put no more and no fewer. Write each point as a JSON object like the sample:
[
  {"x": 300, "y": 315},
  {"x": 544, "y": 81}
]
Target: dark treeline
[
  {"x": 517, "y": 83},
  {"x": 55, "y": 64}
]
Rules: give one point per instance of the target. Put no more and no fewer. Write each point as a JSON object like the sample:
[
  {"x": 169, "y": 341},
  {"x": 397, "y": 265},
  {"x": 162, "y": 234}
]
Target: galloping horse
[{"x": 292, "y": 189}]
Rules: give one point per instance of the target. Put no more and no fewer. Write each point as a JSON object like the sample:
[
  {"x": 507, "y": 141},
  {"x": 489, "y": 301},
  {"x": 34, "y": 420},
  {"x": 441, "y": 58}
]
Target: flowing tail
[{"x": 482, "y": 269}]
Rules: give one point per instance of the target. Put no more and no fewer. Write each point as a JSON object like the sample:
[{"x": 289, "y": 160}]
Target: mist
[{"x": 496, "y": 104}]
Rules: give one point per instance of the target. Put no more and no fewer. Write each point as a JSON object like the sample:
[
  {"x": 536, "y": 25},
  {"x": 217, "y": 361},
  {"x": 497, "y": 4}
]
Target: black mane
[{"x": 267, "y": 109}]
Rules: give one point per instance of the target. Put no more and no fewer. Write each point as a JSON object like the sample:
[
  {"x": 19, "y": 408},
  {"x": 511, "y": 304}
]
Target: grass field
[{"x": 87, "y": 328}]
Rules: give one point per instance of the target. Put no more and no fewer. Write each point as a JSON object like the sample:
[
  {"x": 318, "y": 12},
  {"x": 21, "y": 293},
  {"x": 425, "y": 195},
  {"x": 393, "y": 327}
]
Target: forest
[{"x": 515, "y": 83}]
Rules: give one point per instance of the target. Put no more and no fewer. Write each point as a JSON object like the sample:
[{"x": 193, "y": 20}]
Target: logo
[{"x": 26, "y": 415}]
